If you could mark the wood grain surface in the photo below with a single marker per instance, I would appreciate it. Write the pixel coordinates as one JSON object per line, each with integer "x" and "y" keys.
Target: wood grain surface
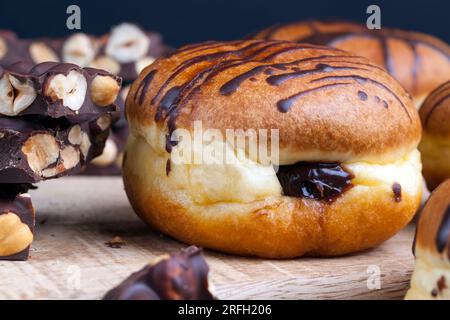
{"x": 77, "y": 215}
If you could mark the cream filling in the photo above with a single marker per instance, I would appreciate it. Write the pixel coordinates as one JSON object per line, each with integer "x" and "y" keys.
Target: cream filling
{"x": 242, "y": 180}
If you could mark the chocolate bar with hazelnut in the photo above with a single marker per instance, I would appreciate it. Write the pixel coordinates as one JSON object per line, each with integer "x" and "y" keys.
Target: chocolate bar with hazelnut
{"x": 57, "y": 90}
{"x": 33, "y": 51}
{"x": 109, "y": 163}
{"x": 125, "y": 51}
{"x": 34, "y": 149}
{"x": 180, "y": 276}
{"x": 17, "y": 220}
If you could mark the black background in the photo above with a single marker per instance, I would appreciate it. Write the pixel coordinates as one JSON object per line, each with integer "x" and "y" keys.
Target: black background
{"x": 191, "y": 21}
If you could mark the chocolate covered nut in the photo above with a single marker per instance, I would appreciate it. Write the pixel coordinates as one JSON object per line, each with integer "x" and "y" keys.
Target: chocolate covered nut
{"x": 39, "y": 150}
{"x": 104, "y": 90}
{"x": 180, "y": 276}
{"x": 125, "y": 51}
{"x": 127, "y": 43}
{"x": 106, "y": 63}
{"x": 109, "y": 163}
{"x": 40, "y": 52}
{"x": 79, "y": 49}
{"x": 15, "y": 95}
{"x": 16, "y": 226}
{"x": 132, "y": 49}
{"x": 57, "y": 90}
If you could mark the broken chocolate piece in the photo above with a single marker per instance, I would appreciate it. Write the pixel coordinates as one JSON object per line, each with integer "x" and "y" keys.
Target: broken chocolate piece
{"x": 125, "y": 51}
{"x": 57, "y": 90}
{"x": 109, "y": 163}
{"x": 17, "y": 221}
{"x": 47, "y": 148}
{"x": 180, "y": 276}
{"x": 314, "y": 180}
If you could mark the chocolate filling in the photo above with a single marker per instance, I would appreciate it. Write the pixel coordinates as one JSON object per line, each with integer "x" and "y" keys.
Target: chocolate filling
{"x": 314, "y": 180}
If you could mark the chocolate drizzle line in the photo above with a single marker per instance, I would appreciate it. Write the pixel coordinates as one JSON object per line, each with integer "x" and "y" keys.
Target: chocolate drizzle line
{"x": 445, "y": 89}
{"x": 383, "y": 37}
{"x": 363, "y": 80}
{"x": 174, "y": 99}
{"x": 314, "y": 180}
{"x": 144, "y": 85}
{"x": 443, "y": 232}
{"x": 170, "y": 99}
{"x": 286, "y": 104}
{"x": 397, "y": 190}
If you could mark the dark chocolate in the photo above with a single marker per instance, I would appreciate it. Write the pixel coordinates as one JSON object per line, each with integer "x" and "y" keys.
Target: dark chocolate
{"x": 18, "y": 50}
{"x": 181, "y": 276}
{"x": 314, "y": 180}
{"x": 118, "y": 135}
{"x": 20, "y": 144}
{"x": 39, "y": 77}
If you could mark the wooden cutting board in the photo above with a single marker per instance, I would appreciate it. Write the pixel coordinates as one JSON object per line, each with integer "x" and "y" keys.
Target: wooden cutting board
{"x": 77, "y": 215}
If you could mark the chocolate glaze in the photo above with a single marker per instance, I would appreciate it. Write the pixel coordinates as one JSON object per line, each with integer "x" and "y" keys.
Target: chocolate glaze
{"x": 383, "y": 37}
{"x": 442, "y": 93}
{"x": 443, "y": 232}
{"x": 314, "y": 180}
{"x": 168, "y": 167}
{"x": 397, "y": 190}
{"x": 362, "y": 80}
{"x": 172, "y": 96}
{"x": 181, "y": 276}
{"x": 285, "y": 105}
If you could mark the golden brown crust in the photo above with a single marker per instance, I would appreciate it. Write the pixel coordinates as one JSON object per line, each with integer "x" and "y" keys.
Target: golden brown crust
{"x": 433, "y": 230}
{"x": 435, "y": 145}
{"x": 273, "y": 227}
{"x": 319, "y": 95}
{"x": 435, "y": 112}
{"x": 420, "y": 62}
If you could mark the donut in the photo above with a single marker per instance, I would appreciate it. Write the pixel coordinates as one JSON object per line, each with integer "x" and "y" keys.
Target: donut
{"x": 435, "y": 144}
{"x": 345, "y": 174}
{"x": 420, "y": 62}
{"x": 431, "y": 277}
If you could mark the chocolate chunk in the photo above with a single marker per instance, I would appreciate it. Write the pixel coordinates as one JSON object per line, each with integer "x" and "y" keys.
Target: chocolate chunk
{"x": 48, "y": 148}
{"x": 109, "y": 163}
{"x": 180, "y": 276}
{"x": 314, "y": 180}
{"x": 57, "y": 90}
{"x": 17, "y": 221}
